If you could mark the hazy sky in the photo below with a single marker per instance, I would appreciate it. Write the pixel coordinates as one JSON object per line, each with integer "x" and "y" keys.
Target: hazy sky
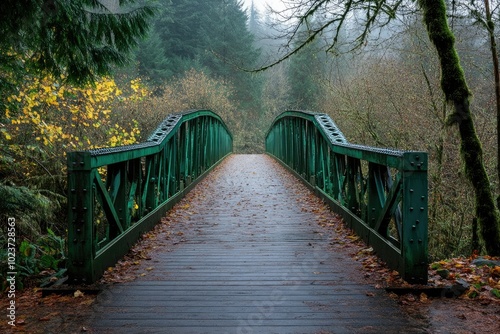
{"x": 261, "y": 4}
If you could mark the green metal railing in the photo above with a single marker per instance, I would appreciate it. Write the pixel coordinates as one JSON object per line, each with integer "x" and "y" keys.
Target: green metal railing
{"x": 380, "y": 193}
{"x": 117, "y": 194}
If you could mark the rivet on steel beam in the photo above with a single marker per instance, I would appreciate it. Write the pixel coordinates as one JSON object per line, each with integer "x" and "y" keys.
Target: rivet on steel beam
{"x": 414, "y": 226}
{"x": 417, "y": 157}
{"x": 84, "y": 190}
{"x": 411, "y": 240}
{"x": 411, "y": 208}
{"x": 412, "y": 163}
{"x": 411, "y": 190}
{"x": 422, "y": 208}
{"x": 419, "y": 241}
{"x": 73, "y": 208}
{"x": 423, "y": 197}
{"x": 82, "y": 163}
{"x": 418, "y": 221}
{"x": 78, "y": 230}
{"x": 84, "y": 208}
{"x": 74, "y": 163}
{"x": 73, "y": 190}
{"x": 75, "y": 241}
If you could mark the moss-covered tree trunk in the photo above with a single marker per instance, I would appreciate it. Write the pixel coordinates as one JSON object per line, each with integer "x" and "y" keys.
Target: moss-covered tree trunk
{"x": 457, "y": 92}
{"x": 490, "y": 26}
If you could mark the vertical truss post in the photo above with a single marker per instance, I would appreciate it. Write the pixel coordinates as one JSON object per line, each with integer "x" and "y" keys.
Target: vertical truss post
{"x": 134, "y": 201}
{"x": 351, "y": 185}
{"x": 415, "y": 217}
{"x": 151, "y": 183}
{"x": 80, "y": 216}
{"x": 375, "y": 192}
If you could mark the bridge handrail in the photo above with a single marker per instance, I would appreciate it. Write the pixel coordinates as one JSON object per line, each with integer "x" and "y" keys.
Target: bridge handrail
{"x": 381, "y": 193}
{"x": 116, "y": 194}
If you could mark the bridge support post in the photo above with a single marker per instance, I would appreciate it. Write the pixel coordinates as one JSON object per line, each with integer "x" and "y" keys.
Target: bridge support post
{"x": 80, "y": 213}
{"x": 415, "y": 216}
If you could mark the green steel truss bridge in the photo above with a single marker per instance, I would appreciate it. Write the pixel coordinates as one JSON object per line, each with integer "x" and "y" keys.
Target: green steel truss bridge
{"x": 117, "y": 194}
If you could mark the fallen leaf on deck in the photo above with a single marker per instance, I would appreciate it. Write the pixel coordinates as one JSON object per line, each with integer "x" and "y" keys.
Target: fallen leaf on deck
{"x": 78, "y": 294}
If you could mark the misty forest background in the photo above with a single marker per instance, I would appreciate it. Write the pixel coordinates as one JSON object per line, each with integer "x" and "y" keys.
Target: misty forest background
{"x": 199, "y": 54}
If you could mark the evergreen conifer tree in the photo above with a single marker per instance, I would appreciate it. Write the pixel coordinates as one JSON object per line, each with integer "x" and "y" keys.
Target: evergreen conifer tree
{"x": 79, "y": 39}
{"x": 212, "y": 36}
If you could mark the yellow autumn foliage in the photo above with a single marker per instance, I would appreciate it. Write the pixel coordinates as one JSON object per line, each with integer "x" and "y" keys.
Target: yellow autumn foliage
{"x": 67, "y": 118}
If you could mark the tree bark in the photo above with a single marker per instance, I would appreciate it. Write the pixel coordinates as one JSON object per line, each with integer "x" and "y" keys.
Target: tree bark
{"x": 494, "y": 57}
{"x": 456, "y": 91}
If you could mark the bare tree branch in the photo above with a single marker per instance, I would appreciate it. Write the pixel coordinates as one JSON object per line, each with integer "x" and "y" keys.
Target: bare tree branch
{"x": 316, "y": 17}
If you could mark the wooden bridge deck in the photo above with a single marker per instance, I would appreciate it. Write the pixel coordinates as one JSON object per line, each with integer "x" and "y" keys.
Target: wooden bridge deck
{"x": 256, "y": 262}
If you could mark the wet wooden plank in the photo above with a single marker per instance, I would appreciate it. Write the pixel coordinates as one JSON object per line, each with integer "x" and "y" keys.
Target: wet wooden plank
{"x": 255, "y": 263}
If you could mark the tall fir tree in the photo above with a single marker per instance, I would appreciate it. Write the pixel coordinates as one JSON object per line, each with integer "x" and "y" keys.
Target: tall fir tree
{"x": 231, "y": 46}
{"x": 210, "y": 35}
{"x": 304, "y": 73}
{"x": 80, "y": 39}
